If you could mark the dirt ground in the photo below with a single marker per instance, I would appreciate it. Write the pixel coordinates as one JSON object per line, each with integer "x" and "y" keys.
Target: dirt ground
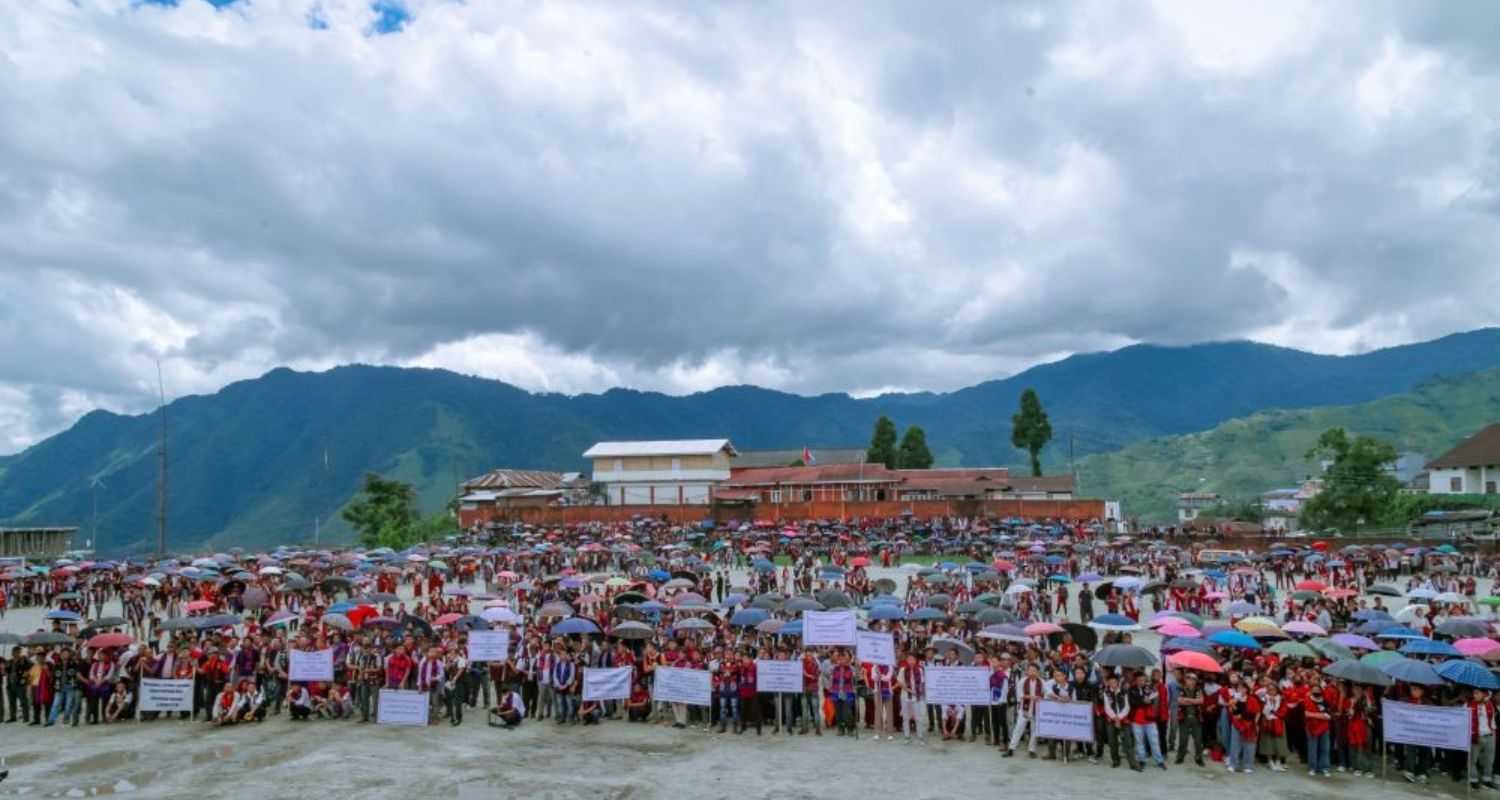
{"x": 280, "y": 759}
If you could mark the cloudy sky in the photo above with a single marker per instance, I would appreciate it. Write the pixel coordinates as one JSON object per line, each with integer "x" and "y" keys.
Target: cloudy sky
{"x": 812, "y": 196}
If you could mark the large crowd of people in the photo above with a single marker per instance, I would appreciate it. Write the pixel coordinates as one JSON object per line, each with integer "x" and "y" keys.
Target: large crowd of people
{"x": 1258, "y": 661}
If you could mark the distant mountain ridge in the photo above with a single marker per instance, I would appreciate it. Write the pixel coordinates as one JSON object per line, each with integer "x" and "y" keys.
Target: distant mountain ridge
{"x": 260, "y": 460}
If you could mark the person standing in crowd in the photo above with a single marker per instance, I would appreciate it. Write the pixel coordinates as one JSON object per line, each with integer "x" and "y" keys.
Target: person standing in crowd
{"x": 1143, "y": 703}
{"x": 1189, "y": 719}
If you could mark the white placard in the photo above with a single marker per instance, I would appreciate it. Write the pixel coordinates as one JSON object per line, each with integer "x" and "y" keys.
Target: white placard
{"x": 959, "y": 686}
{"x": 489, "y": 645}
{"x": 401, "y": 708}
{"x": 778, "y": 676}
{"x": 874, "y": 647}
{"x": 315, "y": 665}
{"x": 1056, "y": 719}
{"x": 166, "y": 695}
{"x": 606, "y": 684}
{"x": 821, "y": 628}
{"x": 676, "y": 685}
{"x": 1443, "y": 727}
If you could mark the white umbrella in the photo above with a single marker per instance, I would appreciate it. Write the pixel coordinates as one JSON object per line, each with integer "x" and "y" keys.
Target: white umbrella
{"x": 1411, "y": 612}
{"x": 503, "y": 615}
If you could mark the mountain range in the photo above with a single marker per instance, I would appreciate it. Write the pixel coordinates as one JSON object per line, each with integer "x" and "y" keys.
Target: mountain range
{"x": 274, "y": 458}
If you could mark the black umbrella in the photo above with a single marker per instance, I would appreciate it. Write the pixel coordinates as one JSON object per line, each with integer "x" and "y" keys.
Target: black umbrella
{"x": 633, "y": 630}
{"x": 1125, "y": 655}
{"x": 417, "y": 625}
{"x": 9, "y": 638}
{"x": 1085, "y": 637}
{"x": 995, "y": 616}
{"x": 46, "y": 639}
{"x": 1359, "y": 672}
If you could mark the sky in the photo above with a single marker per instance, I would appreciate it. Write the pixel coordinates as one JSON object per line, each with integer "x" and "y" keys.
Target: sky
{"x": 833, "y": 196}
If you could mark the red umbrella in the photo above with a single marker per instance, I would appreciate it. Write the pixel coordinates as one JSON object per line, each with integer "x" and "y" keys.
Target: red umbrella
{"x": 198, "y": 605}
{"x": 359, "y": 614}
{"x": 104, "y": 640}
{"x": 1311, "y": 586}
{"x": 1002, "y": 565}
{"x": 1320, "y": 545}
{"x": 448, "y": 619}
{"x": 1189, "y": 659}
{"x": 859, "y": 561}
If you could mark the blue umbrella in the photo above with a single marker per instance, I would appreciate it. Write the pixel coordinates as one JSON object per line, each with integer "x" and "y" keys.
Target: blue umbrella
{"x": 63, "y": 615}
{"x": 735, "y": 599}
{"x": 748, "y": 617}
{"x": 1428, "y": 647}
{"x": 1371, "y": 614}
{"x": 793, "y": 628}
{"x": 1376, "y": 626}
{"x": 1055, "y": 559}
{"x": 1115, "y": 620}
{"x": 883, "y": 600}
{"x": 1060, "y": 578}
{"x": 575, "y": 625}
{"x": 659, "y": 575}
{"x": 1176, "y": 643}
{"x": 889, "y": 611}
{"x": 1234, "y": 639}
{"x": 1398, "y": 632}
{"x": 1090, "y": 577}
{"x": 1240, "y": 608}
{"x": 926, "y": 613}
{"x": 947, "y": 565}
{"x": 1409, "y": 671}
{"x": 1467, "y": 673}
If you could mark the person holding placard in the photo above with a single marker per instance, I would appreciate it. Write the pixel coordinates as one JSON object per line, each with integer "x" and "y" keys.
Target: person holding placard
{"x": 1482, "y": 735}
{"x": 841, "y": 689}
{"x": 1028, "y": 693}
{"x": 882, "y": 681}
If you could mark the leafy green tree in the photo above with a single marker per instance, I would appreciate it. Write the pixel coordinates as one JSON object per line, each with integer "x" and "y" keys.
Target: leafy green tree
{"x": 1356, "y": 488}
{"x": 883, "y": 443}
{"x": 1030, "y": 429}
{"x": 384, "y": 511}
{"x": 913, "y": 452}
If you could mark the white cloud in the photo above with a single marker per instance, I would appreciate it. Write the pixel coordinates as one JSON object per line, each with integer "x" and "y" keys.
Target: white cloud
{"x": 571, "y": 196}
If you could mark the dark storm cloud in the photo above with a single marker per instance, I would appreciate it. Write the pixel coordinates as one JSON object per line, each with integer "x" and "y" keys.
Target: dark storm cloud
{"x": 822, "y": 197}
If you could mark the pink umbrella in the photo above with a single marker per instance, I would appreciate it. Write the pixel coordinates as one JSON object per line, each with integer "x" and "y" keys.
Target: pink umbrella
{"x": 1179, "y": 628}
{"x": 1304, "y": 627}
{"x": 1215, "y": 596}
{"x": 1476, "y": 647}
{"x": 1041, "y": 629}
{"x": 1189, "y": 659}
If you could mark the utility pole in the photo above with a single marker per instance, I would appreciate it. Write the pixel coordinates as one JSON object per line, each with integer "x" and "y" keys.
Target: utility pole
{"x": 94, "y": 486}
{"x": 161, "y": 478}
{"x": 1071, "y": 468}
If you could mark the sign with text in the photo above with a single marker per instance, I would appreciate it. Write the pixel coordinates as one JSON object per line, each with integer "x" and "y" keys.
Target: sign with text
{"x": 166, "y": 695}
{"x": 401, "y": 708}
{"x": 959, "y": 686}
{"x": 1443, "y": 727}
{"x": 310, "y": 665}
{"x": 874, "y": 647}
{"x": 489, "y": 645}
{"x": 676, "y": 685}
{"x": 778, "y": 676}
{"x": 1056, "y": 719}
{"x": 822, "y": 628}
{"x": 606, "y": 684}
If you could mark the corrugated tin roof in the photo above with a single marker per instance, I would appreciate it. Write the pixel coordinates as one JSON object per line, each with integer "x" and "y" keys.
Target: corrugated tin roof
{"x": 830, "y": 473}
{"x": 673, "y": 447}
{"x": 515, "y": 479}
{"x": 780, "y": 458}
{"x": 1481, "y": 449}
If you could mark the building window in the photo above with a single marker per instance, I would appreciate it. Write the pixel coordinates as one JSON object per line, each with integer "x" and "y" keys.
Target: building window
{"x": 619, "y": 464}
{"x": 676, "y": 465}
{"x": 880, "y": 495}
{"x": 1455, "y": 484}
{"x": 807, "y": 495}
{"x": 776, "y": 495}
{"x": 1489, "y": 487}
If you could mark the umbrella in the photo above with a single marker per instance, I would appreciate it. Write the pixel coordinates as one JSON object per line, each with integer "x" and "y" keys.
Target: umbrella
{"x": 1083, "y": 636}
{"x": 503, "y": 615}
{"x": 1399, "y": 632}
{"x": 1379, "y": 658}
{"x": 887, "y": 611}
{"x": 1354, "y": 640}
{"x": 954, "y": 649}
{"x": 46, "y": 639}
{"x": 574, "y": 625}
{"x": 633, "y": 630}
{"x": 1123, "y": 655}
{"x": 692, "y": 624}
{"x": 1114, "y": 622}
{"x": 177, "y": 624}
{"x": 1476, "y": 646}
{"x": 1384, "y": 589}
{"x": 471, "y": 623}
{"x": 339, "y": 621}
{"x": 1240, "y": 608}
{"x": 833, "y": 598}
{"x": 381, "y": 597}
{"x": 9, "y": 638}
{"x": 1005, "y": 633}
{"x": 1461, "y": 628}
{"x": 994, "y": 616}
{"x": 1191, "y": 659}
{"x": 1178, "y": 644}
{"x": 1304, "y": 627}
{"x": 63, "y": 615}
{"x": 1234, "y": 639}
{"x": 104, "y": 640}
{"x": 1428, "y": 647}
{"x": 1331, "y": 650}
{"x": 108, "y": 622}
{"x": 1358, "y": 672}
{"x": 556, "y": 608}
{"x": 1179, "y": 629}
{"x": 1042, "y": 629}
{"x": 797, "y": 605}
{"x": 1293, "y": 650}
{"x": 748, "y": 617}
{"x": 939, "y": 601}
{"x": 1467, "y": 673}
{"x": 769, "y": 602}
{"x": 926, "y": 613}
{"x": 1409, "y": 671}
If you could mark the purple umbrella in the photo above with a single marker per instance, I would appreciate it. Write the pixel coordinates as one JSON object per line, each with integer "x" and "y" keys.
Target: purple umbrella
{"x": 1355, "y": 640}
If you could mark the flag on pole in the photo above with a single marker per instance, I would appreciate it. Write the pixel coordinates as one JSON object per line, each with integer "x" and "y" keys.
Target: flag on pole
{"x": 807, "y": 457}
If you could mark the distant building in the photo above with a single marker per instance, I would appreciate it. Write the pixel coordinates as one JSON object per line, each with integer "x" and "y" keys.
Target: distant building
{"x": 1473, "y": 467}
{"x": 1192, "y": 504}
{"x": 35, "y": 542}
{"x": 680, "y": 472}
{"x": 863, "y": 483}
{"x": 509, "y": 489}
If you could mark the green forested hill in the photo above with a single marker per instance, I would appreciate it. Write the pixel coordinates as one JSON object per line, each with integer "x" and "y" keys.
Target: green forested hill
{"x": 1244, "y": 457}
{"x": 258, "y": 461}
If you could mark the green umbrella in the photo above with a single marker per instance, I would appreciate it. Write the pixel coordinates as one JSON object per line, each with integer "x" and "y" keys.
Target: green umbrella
{"x": 1492, "y": 600}
{"x": 1380, "y": 657}
{"x": 1293, "y": 650}
{"x": 1331, "y": 650}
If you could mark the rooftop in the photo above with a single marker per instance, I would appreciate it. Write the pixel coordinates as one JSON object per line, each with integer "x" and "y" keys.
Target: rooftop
{"x": 781, "y": 458}
{"x": 672, "y": 447}
{"x": 514, "y": 479}
{"x": 1481, "y": 449}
